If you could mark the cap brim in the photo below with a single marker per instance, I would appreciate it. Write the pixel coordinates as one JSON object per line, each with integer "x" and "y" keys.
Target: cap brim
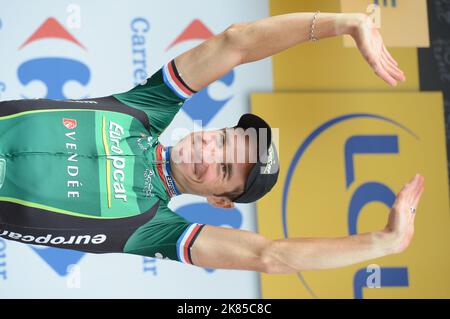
{"x": 250, "y": 120}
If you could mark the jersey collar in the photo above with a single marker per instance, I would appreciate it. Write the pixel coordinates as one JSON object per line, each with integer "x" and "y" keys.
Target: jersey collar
{"x": 164, "y": 170}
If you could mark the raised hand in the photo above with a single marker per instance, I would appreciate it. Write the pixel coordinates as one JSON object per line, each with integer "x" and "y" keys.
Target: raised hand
{"x": 401, "y": 217}
{"x": 370, "y": 43}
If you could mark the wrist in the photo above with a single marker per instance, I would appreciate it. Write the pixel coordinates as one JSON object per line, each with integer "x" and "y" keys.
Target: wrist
{"x": 385, "y": 241}
{"x": 348, "y": 23}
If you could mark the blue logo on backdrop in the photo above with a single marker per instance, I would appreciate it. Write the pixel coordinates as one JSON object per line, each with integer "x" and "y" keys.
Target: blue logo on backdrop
{"x": 204, "y": 213}
{"x": 68, "y": 70}
{"x": 62, "y": 70}
{"x": 202, "y": 106}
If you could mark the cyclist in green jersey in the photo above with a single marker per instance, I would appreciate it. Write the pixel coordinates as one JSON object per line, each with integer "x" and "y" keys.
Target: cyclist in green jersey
{"x": 91, "y": 174}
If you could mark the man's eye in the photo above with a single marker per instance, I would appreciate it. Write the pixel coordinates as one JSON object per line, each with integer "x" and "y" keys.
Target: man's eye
{"x": 224, "y": 169}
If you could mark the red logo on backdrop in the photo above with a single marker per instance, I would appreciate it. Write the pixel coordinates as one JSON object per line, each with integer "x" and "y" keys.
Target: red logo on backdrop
{"x": 195, "y": 30}
{"x": 69, "y": 123}
{"x": 51, "y": 28}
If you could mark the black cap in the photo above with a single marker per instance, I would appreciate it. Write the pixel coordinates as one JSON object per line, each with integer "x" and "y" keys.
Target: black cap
{"x": 264, "y": 173}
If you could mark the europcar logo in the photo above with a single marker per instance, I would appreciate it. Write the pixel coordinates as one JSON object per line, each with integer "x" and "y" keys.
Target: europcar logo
{"x": 370, "y": 145}
{"x": 202, "y": 106}
{"x": 54, "y": 73}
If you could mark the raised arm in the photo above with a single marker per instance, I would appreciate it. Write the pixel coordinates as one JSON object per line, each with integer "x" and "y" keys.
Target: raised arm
{"x": 218, "y": 247}
{"x": 247, "y": 42}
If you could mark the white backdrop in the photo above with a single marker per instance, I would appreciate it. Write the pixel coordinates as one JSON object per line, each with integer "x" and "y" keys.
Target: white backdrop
{"x": 63, "y": 49}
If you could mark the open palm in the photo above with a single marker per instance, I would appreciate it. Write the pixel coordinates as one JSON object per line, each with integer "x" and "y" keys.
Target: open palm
{"x": 401, "y": 218}
{"x": 369, "y": 41}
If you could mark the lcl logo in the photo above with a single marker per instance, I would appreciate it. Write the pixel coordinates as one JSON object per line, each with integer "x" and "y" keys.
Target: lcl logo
{"x": 367, "y": 192}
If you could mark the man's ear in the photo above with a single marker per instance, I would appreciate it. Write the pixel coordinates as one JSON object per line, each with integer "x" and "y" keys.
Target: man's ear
{"x": 220, "y": 202}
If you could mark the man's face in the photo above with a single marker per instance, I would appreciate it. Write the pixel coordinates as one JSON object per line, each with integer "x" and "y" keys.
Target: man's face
{"x": 211, "y": 163}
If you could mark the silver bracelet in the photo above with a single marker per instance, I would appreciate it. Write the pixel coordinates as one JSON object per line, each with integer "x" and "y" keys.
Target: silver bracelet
{"x": 312, "y": 37}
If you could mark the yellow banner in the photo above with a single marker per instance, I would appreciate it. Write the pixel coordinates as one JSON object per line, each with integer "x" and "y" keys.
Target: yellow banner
{"x": 403, "y": 23}
{"x": 327, "y": 64}
{"x": 344, "y": 157}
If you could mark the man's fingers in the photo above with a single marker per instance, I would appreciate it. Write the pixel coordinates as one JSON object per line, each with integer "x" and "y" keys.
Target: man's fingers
{"x": 415, "y": 204}
{"x": 389, "y": 55}
{"x": 410, "y": 190}
{"x": 417, "y": 199}
{"x": 408, "y": 184}
{"x": 411, "y": 194}
{"x": 389, "y": 63}
{"x": 417, "y": 184}
{"x": 396, "y": 74}
{"x": 389, "y": 59}
{"x": 420, "y": 185}
{"x": 406, "y": 193}
{"x": 382, "y": 73}
{"x": 403, "y": 192}
{"x": 418, "y": 192}
{"x": 414, "y": 188}
{"x": 400, "y": 76}
{"x": 393, "y": 70}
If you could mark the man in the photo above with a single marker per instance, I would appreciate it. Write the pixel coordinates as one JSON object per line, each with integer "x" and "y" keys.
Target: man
{"x": 91, "y": 174}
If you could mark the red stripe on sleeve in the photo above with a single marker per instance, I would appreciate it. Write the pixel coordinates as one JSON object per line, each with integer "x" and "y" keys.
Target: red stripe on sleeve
{"x": 188, "y": 242}
{"x": 175, "y": 79}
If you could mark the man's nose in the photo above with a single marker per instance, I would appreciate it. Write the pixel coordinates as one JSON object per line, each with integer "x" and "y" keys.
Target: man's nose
{"x": 211, "y": 146}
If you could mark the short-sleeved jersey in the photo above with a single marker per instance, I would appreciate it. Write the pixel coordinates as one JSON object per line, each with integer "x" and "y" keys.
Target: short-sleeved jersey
{"x": 91, "y": 175}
